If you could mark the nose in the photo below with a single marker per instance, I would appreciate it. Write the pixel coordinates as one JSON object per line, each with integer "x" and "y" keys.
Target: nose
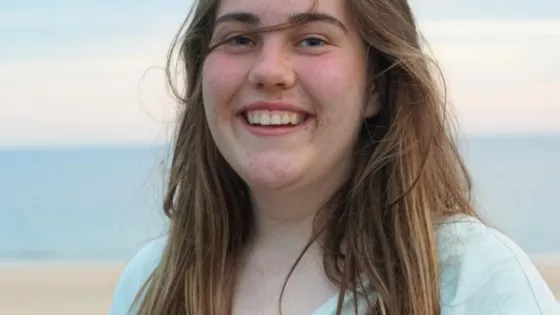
{"x": 272, "y": 68}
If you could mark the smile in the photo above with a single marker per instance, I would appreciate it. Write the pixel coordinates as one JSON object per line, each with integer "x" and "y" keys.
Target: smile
{"x": 274, "y": 118}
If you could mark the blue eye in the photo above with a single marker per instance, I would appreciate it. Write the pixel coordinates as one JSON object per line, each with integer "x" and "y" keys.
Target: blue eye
{"x": 240, "y": 41}
{"x": 312, "y": 42}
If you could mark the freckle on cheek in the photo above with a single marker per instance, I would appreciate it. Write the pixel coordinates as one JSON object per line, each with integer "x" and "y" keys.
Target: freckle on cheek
{"x": 323, "y": 125}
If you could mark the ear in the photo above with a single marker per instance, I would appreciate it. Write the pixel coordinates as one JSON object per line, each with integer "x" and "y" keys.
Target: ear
{"x": 372, "y": 107}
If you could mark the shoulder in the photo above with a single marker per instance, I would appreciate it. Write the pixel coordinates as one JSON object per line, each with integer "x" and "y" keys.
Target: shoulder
{"x": 484, "y": 272}
{"x": 135, "y": 274}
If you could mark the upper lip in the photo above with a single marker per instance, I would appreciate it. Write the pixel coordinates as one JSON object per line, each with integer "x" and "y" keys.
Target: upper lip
{"x": 272, "y": 106}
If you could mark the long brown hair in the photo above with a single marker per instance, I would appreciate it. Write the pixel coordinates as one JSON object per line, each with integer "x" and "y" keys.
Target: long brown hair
{"x": 407, "y": 175}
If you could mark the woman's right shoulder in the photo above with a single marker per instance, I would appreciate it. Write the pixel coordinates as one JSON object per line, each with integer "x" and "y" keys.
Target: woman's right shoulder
{"x": 135, "y": 274}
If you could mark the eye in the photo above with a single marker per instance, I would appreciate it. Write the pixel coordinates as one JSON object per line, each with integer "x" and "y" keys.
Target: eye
{"x": 239, "y": 40}
{"x": 312, "y": 42}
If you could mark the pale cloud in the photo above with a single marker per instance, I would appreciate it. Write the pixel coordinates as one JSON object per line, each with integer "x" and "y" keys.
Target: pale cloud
{"x": 503, "y": 78}
{"x": 103, "y": 23}
{"x": 117, "y": 97}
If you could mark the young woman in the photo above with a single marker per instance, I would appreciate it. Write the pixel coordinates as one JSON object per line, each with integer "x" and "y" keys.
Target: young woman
{"x": 314, "y": 172}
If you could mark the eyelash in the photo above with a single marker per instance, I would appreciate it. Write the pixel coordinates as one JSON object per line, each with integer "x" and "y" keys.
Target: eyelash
{"x": 232, "y": 40}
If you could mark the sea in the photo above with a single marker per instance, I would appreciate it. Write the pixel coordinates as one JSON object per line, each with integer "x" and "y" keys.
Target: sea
{"x": 101, "y": 204}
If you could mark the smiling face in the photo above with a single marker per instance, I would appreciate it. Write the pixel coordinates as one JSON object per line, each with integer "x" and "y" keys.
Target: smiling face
{"x": 284, "y": 107}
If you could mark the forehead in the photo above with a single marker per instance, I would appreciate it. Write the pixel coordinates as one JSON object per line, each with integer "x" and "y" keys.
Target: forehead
{"x": 272, "y": 12}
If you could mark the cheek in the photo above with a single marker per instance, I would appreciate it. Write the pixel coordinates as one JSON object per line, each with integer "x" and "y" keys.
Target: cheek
{"x": 337, "y": 86}
{"x": 221, "y": 80}
{"x": 334, "y": 81}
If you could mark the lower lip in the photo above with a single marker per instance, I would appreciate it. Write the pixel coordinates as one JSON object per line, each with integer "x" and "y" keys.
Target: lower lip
{"x": 273, "y": 130}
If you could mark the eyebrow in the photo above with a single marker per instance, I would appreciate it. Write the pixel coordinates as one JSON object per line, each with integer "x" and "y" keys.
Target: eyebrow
{"x": 297, "y": 18}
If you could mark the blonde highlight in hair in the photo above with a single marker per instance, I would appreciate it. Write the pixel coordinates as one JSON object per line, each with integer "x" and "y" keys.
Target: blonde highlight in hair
{"x": 379, "y": 227}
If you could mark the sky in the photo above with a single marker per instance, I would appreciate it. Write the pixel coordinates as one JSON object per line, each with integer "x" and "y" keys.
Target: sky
{"x": 90, "y": 72}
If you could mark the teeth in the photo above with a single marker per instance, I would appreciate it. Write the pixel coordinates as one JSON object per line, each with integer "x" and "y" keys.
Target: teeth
{"x": 295, "y": 119}
{"x": 265, "y": 119}
{"x": 254, "y": 118}
{"x": 275, "y": 118}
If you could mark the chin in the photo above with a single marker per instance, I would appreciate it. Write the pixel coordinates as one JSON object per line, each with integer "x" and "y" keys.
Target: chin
{"x": 269, "y": 181}
{"x": 271, "y": 173}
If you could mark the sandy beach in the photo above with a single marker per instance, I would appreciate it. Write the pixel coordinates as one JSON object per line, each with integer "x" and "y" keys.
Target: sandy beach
{"x": 57, "y": 289}
{"x": 87, "y": 289}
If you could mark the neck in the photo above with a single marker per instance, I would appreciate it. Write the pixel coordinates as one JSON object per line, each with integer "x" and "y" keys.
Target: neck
{"x": 285, "y": 218}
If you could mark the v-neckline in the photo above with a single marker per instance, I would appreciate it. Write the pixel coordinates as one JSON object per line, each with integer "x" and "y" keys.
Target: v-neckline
{"x": 327, "y": 306}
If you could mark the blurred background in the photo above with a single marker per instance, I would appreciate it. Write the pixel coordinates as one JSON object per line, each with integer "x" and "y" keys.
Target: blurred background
{"x": 85, "y": 124}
